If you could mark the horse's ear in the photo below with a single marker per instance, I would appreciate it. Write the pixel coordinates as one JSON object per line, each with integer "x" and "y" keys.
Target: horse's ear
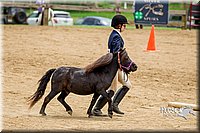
{"x": 122, "y": 50}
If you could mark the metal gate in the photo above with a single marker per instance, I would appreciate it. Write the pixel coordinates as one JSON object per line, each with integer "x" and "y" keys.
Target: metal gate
{"x": 194, "y": 14}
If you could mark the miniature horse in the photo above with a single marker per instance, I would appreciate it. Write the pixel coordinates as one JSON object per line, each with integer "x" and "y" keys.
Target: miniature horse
{"x": 95, "y": 78}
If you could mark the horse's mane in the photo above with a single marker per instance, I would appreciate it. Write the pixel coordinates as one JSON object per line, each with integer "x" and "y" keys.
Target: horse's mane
{"x": 102, "y": 61}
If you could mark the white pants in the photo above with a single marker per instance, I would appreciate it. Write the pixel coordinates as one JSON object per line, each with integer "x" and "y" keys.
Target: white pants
{"x": 122, "y": 78}
{"x": 52, "y": 22}
{"x": 39, "y": 21}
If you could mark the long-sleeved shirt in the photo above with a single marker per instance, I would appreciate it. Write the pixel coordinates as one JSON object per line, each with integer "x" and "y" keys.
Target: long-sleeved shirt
{"x": 115, "y": 42}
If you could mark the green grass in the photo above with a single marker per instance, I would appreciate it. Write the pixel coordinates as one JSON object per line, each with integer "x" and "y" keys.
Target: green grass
{"x": 105, "y": 5}
{"x": 80, "y": 14}
{"x": 178, "y": 6}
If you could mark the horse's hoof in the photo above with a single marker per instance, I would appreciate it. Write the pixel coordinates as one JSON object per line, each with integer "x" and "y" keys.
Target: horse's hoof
{"x": 43, "y": 114}
{"x": 69, "y": 112}
{"x": 110, "y": 115}
{"x": 90, "y": 115}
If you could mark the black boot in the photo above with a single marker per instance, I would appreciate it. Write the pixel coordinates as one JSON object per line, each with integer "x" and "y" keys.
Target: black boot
{"x": 137, "y": 26}
{"x": 101, "y": 103}
{"x": 118, "y": 97}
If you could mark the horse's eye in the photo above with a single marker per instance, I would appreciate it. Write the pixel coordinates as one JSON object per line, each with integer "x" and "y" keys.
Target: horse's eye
{"x": 126, "y": 58}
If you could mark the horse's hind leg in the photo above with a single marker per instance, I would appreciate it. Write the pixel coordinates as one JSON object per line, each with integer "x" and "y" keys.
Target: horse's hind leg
{"x": 61, "y": 99}
{"x": 47, "y": 99}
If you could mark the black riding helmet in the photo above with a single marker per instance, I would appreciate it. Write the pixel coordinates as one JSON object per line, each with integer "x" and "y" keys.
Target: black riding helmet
{"x": 118, "y": 19}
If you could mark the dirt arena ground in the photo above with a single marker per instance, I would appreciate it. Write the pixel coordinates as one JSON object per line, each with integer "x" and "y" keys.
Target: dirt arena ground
{"x": 165, "y": 75}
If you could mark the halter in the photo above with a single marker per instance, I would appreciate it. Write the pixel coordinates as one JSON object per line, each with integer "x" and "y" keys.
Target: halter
{"x": 121, "y": 66}
{"x": 124, "y": 67}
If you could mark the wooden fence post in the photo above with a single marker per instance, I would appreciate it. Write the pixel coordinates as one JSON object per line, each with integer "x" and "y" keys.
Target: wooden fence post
{"x": 45, "y": 18}
{"x": 184, "y": 17}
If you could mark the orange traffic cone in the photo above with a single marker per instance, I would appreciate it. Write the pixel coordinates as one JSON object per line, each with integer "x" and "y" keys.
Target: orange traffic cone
{"x": 151, "y": 43}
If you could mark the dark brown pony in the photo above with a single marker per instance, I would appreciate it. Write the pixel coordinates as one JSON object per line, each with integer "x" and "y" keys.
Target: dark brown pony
{"x": 94, "y": 78}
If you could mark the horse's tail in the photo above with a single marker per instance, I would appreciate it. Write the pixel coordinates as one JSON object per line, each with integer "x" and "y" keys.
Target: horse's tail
{"x": 41, "y": 88}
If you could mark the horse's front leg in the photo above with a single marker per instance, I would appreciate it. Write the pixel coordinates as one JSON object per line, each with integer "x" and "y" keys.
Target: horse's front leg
{"x": 109, "y": 98}
{"x": 94, "y": 99}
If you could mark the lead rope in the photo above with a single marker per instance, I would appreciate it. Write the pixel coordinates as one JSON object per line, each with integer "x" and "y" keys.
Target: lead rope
{"x": 120, "y": 67}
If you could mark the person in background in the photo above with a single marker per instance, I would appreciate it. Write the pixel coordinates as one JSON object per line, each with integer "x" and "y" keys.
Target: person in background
{"x": 115, "y": 43}
{"x": 51, "y": 15}
{"x": 40, "y": 15}
{"x": 117, "y": 9}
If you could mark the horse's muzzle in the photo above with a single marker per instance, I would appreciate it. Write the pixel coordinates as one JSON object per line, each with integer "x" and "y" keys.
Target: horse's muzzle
{"x": 134, "y": 67}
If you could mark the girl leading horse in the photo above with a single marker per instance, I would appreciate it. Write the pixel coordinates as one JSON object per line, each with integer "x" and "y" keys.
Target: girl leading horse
{"x": 95, "y": 79}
